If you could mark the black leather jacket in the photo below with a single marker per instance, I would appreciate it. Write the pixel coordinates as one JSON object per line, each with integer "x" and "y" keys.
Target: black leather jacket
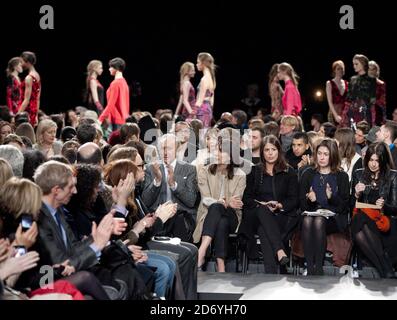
{"x": 388, "y": 191}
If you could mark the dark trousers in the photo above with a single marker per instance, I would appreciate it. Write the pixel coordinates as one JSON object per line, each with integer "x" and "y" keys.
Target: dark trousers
{"x": 218, "y": 223}
{"x": 187, "y": 263}
{"x": 180, "y": 226}
{"x": 273, "y": 231}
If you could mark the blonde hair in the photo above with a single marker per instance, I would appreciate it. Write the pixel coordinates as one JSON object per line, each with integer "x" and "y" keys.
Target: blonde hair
{"x": 5, "y": 171}
{"x": 289, "y": 70}
{"x": 208, "y": 61}
{"x": 18, "y": 196}
{"x": 335, "y": 64}
{"x": 52, "y": 174}
{"x": 290, "y": 121}
{"x": 92, "y": 66}
{"x": 12, "y": 64}
{"x": 185, "y": 69}
{"x": 372, "y": 63}
{"x": 43, "y": 126}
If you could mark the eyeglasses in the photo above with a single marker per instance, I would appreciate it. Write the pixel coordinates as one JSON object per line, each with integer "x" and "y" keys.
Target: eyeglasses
{"x": 140, "y": 166}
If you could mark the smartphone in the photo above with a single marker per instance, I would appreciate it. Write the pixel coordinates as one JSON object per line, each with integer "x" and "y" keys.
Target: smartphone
{"x": 19, "y": 251}
{"x": 26, "y": 221}
{"x": 158, "y": 238}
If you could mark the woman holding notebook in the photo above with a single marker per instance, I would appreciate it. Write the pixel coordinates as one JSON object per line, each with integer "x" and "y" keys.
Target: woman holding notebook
{"x": 374, "y": 198}
{"x": 324, "y": 186}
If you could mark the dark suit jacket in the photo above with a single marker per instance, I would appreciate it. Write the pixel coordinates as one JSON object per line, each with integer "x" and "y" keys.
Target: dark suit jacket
{"x": 52, "y": 248}
{"x": 185, "y": 194}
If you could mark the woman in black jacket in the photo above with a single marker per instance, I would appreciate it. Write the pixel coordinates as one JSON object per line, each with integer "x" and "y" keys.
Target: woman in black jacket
{"x": 270, "y": 202}
{"x": 375, "y": 231}
{"x": 324, "y": 186}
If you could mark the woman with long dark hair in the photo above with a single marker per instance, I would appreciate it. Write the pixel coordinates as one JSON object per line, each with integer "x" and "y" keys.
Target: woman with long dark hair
{"x": 270, "y": 204}
{"x": 372, "y": 229}
{"x": 221, "y": 185}
{"x": 31, "y": 88}
{"x": 324, "y": 186}
{"x": 350, "y": 159}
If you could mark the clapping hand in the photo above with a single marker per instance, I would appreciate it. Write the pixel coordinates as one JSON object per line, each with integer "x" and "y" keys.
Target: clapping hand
{"x": 166, "y": 211}
{"x": 101, "y": 233}
{"x": 17, "y": 265}
{"x": 157, "y": 171}
{"x": 311, "y": 195}
{"x": 328, "y": 191}
{"x": 304, "y": 162}
{"x": 123, "y": 190}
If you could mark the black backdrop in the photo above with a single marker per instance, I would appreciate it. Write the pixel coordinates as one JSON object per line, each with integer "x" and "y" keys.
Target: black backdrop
{"x": 155, "y": 38}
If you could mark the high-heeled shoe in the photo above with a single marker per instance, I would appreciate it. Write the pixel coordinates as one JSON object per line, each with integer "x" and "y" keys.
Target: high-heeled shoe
{"x": 203, "y": 266}
{"x": 284, "y": 261}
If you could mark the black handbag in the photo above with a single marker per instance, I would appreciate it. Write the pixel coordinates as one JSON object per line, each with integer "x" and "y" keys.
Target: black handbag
{"x": 115, "y": 255}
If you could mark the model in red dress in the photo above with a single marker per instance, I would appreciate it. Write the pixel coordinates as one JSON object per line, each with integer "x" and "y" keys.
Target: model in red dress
{"x": 31, "y": 88}
{"x": 14, "y": 85}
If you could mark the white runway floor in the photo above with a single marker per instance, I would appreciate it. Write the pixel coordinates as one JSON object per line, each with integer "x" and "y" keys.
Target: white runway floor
{"x": 288, "y": 287}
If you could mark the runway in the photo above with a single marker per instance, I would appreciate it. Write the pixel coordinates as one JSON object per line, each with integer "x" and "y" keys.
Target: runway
{"x": 236, "y": 286}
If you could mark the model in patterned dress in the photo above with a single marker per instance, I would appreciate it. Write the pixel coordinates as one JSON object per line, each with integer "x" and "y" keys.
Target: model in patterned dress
{"x": 31, "y": 88}
{"x": 361, "y": 95}
{"x": 14, "y": 85}
{"x": 187, "y": 99}
{"x": 206, "y": 90}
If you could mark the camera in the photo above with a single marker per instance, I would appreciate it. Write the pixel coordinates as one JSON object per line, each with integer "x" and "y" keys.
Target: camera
{"x": 26, "y": 221}
{"x": 19, "y": 251}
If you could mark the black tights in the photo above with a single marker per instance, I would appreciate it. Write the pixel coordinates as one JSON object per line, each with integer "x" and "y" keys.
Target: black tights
{"x": 371, "y": 245}
{"x": 314, "y": 237}
{"x": 88, "y": 284}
